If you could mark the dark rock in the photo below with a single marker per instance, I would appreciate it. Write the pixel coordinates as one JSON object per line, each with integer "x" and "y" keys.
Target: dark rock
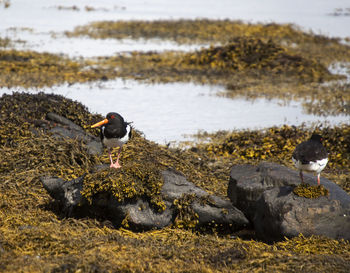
{"x": 223, "y": 216}
{"x": 280, "y": 213}
{"x": 137, "y": 213}
{"x": 248, "y": 182}
{"x": 68, "y": 193}
{"x": 54, "y": 186}
{"x": 217, "y": 211}
{"x": 265, "y": 194}
{"x": 63, "y": 121}
{"x": 63, "y": 127}
{"x": 94, "y": 147}
{"x": 175, "y": 185}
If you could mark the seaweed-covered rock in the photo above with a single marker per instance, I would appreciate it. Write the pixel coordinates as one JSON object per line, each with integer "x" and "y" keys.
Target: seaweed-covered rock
{"x": 265, "y": 194}
{"x": 63, "y": 127}
{"x": 210, "y": 209}
{"x": 139, "y": 214}
{"x": 135, "y": 213}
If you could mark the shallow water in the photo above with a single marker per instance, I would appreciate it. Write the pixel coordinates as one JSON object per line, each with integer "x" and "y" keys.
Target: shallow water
{"x": 165, "y": 112}
{"x": 43, "y": 15}
{"x": 43, "y": 18}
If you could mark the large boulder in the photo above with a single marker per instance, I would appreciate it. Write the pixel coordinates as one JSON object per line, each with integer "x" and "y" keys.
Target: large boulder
{"x": 265, "y": 194}
{"x": 280, "y": 213}
{"x": 135, "y": 213}
{"x": 248, "y": 182}
{"x": 138, "y": 213}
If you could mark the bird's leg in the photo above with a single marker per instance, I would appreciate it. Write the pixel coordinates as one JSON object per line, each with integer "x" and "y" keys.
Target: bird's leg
{"x": 116, "y": 164}
{"x": 318, "y": 178}
{"x": 110, "y": 158}
{"x": 301, "y": 176}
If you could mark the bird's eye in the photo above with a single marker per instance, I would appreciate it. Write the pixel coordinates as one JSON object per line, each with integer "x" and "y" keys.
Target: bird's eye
{"x": 112, "y": 116}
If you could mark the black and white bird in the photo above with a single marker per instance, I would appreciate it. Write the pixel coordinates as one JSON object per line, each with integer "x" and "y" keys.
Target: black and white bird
{"x": 115, "y": 132}
{"x": 310, "y": 156}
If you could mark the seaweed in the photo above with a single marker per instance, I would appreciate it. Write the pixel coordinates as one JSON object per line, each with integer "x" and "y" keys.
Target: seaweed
{"x": 244, "y": 53}
{"x": 32, "y": 69}
{"x": 277, "y": 144}
{"x": 33, "y": 238}
{"x": 309, "y": 191}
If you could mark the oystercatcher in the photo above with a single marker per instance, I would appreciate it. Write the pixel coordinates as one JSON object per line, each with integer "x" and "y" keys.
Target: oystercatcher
{"x": 115, "y": 132}
{"x": 310, "y": 156}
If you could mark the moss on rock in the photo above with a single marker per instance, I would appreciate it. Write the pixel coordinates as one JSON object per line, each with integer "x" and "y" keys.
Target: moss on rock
{"x": 309, "y": 191}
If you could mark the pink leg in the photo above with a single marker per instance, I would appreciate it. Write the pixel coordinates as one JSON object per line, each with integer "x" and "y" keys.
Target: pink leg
{"x": 110, "y": 158}
{"x": 318, "y": 179}
{"x": 116, "y": 164}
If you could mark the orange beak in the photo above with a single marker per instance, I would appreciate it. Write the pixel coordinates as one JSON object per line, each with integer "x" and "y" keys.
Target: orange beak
{"x": 100, "y": 123}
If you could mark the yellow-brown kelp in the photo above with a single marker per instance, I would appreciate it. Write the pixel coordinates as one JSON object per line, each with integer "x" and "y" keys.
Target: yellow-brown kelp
{"x": 277, "y": 144}
{"x": 32, "y": 69}
{"x": 310, "y": 191}
{"x": 33, "y": 238}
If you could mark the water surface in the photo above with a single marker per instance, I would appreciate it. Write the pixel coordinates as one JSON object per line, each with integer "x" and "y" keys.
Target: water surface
{"x": 166, "y": 112}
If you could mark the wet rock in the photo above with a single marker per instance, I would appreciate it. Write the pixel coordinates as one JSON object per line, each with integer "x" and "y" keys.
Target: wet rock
{"x": 68, "y": 193}
{"x": 280, "y": 213}
{"x": 265, "y": 194}
{"x": 63, "y": 121}
{"x": 138, "y": 213}
{"x": 248, "y": 182}
{"x": 63, "y": 127}
{"x": 217, "y": 210}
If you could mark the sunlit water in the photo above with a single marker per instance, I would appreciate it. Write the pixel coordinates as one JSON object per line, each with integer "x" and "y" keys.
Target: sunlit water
{"x": 166, "y": 112}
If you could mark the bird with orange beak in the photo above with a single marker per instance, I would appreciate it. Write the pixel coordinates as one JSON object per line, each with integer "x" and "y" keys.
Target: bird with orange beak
{"x": 115, "y": 132}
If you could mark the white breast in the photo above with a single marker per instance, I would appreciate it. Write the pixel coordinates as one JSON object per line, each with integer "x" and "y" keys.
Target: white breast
{"x": 314, "y": 166}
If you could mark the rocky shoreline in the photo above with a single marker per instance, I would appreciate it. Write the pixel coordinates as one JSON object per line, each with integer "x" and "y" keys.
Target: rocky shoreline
{"x": 55, "y": 179}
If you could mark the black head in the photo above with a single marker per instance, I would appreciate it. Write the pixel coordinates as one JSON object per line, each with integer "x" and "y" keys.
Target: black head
{"x": 114, "y": 117}
{"x": 316, "y": 137}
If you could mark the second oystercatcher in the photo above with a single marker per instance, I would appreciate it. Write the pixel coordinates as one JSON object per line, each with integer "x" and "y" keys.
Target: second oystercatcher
{"x": 115, "y": 132}
{"x": 310, "y": 156}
